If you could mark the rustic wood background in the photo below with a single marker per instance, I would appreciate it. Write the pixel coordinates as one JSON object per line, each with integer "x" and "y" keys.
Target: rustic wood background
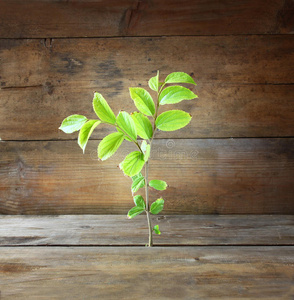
{"x": 237, "y": 154}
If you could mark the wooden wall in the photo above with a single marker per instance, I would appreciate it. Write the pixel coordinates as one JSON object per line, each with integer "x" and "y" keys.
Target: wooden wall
{"x": 236, "y": 156}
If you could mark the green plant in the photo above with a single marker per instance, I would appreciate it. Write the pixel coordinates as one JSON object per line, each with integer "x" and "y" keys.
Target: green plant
{"x": 143, "y": 124}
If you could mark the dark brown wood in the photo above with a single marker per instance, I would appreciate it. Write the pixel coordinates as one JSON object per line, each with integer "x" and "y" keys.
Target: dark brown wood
{"x": 223, "y": 176}
{"x": 23, "y": 19}
{"x": 240, "y": 93}
{"x": 144, "y": 273}
{"x": 220, "y": 111}
{"x": 106, "y": 230}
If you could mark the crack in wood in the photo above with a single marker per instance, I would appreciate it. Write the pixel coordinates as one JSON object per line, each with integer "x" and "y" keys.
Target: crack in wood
{"x": 132, "y": 17}
{"x": 48, "y": 42}
{"x": 21, "y": 87}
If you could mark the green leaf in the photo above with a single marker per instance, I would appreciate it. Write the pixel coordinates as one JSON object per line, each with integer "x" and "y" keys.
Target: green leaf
{"x": 126, "y": 138}
{"x": 172, "y": 120}
{"x": 73, "y": 123}
{"x": 133, "y": 212}
{"x": 157, "y": 206}
{"x": 143, "y": 125}
{"x": 143, "y": 101}
{"x": 139, "y": 201}
{"x": 108, "y": 146}
{"x": 86, "y": 132}
{"x": 156, "y": 229}
{"x": 102, "y": 109}
{"x": 146, "y": 150}
{"x": 144, "y": 146}
{"x": 138, "y": 182}
{"x": 175, "y": 94}
{"x": 127, "y": 125}
{"x": 179, "y": 77}
{"x": 133, "y": 163}
{"x": 159, "y": 185}
{"x": 147, "y": 153}
{"x": 153, "y": 82}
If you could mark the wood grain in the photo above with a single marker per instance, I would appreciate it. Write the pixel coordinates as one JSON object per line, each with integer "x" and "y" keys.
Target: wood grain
{"x": 222, "y": 176}
{"x": 23, "y": 19}
{"x": 144, "y": 273}
{"x": 240, "y": 93}
{"x": 107, "y": 230}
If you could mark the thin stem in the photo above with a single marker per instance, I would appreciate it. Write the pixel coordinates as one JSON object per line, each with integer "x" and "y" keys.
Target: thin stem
{"x": 156, "y": 110}
{"x": 147, "y": 206}
{"x": 146, "y": 173}
{"x": 134, "y": 141}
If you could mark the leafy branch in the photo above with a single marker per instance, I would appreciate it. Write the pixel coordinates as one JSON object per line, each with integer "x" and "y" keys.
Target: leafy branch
{"x": 138, "y": 124}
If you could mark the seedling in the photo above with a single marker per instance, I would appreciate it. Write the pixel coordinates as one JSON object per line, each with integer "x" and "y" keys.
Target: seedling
{"x": 129, "y": 127}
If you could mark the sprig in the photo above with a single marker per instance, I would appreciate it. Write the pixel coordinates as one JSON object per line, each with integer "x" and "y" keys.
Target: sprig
{"x": 130, "y": 126}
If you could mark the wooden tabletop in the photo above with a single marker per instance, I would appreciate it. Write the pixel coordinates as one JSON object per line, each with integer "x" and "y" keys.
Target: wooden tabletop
{"x": 104, "y": 257}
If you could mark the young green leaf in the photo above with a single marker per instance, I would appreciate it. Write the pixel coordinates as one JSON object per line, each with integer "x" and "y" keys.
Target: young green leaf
{"x": 144, "y": 146}
{"x": 172, "y": 120}
{"x": 157, "y": 206}
{"x": 143, "y": 125}
{"x": 146, "y": 150}
{"x": 133, "y": 163}
{"x": 127, "y": 125}
{"x": 136, "y": 210}
{"x": 143, "y": 101}
{"x": 175, "y": 94}
{"x": 153, "y": 82}
{"x": 156, "y": 229}
{"x": 139, "y": 201}
{"x": 147, "y": 153}
{"x": 102, "y": 109}
{"x": 86, "y": 132}
{"x": 126, "y": 138}
{"x": 138, "y": 182}
{"x": 179, "y": 77}
{"x": 108, "y": 146}
{"x": 159, "y": 185}
{"x": 73, "y": 123}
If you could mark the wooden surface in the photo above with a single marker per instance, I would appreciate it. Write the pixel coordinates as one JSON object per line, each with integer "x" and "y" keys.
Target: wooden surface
{"x": 54, "y": 54}
{"x": 32, "y": 18}
{"x": 204, "y": 176}
{"x": 143, "y": 273}
{"x": 240, "y": 93}
{"x": 117, "y": 230}
{"x": 247, "y": 258}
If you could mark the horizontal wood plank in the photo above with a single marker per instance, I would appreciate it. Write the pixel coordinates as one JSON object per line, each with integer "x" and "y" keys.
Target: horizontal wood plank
{"x": 220, "y": 111}
{"x": 90, "y": 230}
{"x": 222, "y": 176}
{"x": 240, "y": 93}
{"x": 23, "y": 19}
{"x": 144, "y": 273}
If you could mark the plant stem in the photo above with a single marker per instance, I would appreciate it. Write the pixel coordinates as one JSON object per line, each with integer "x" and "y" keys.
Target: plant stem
{"x": 146, "y": 173}
{"x": 150, "y": 244}
{"x": 134, "y": 141}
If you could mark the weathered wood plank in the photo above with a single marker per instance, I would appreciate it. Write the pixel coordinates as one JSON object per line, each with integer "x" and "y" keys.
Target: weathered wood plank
{"x": 144, "y": 273}
{"x": 240, "y": 93}
{"x": 220, "y": 111}
{"x": 176, "y": 230}
{"x": 22, "y": 19}
{"x": 224, "y": 176}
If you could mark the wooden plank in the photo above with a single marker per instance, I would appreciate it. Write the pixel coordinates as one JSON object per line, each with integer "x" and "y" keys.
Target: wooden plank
{"x": 221, "y": 111}
{"x": 240, "y": 93}
{"x": 102, "y": 230}
{"x": 222, "y": 176}
{"x": 144, "y": 273}
{"x": 22, "y": 19}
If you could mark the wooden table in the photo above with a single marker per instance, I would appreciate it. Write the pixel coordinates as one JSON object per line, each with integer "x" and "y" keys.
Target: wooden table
{"x": 103, "y": 257}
